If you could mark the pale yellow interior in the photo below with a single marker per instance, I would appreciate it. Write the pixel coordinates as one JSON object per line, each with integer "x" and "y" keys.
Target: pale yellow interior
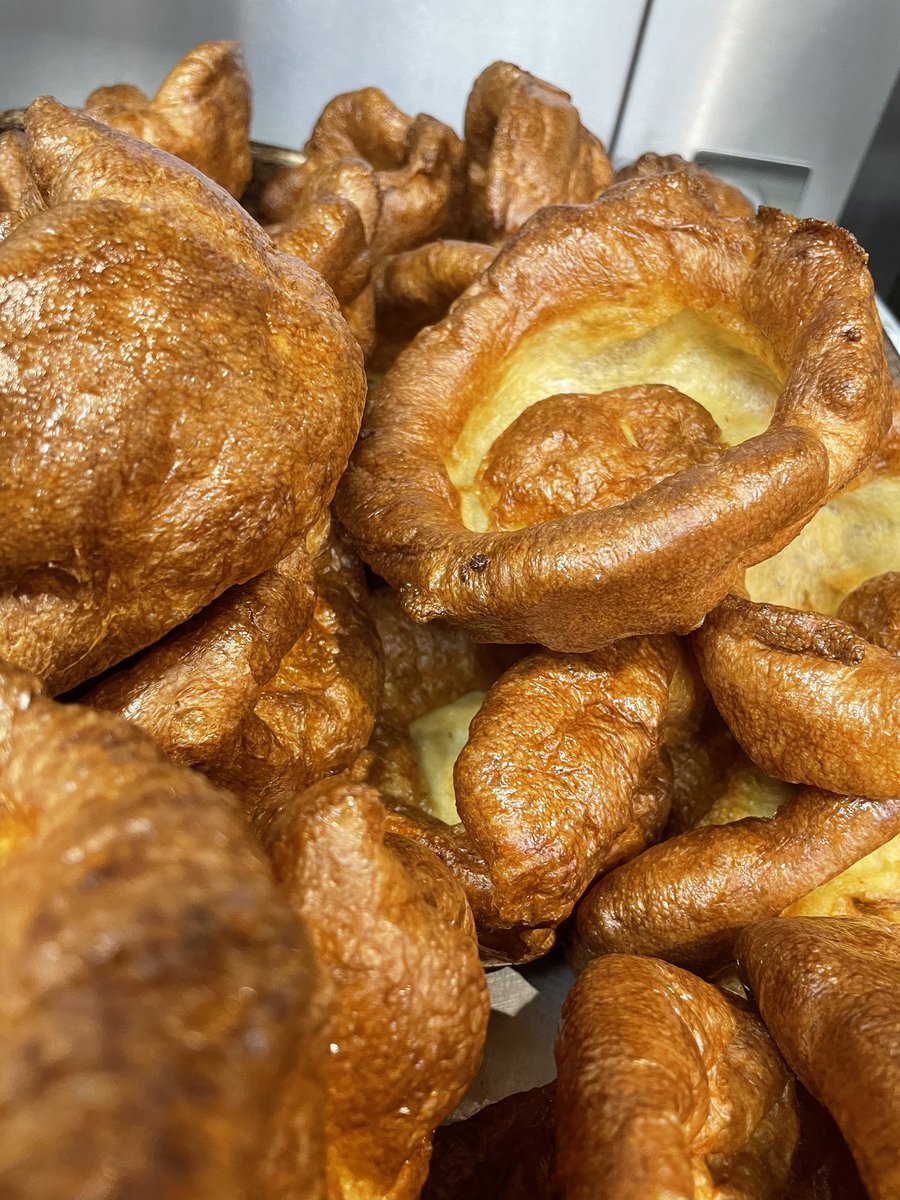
{"x": 855, "y": 536}
{"x": 601, "y": 349}
{"x": 437, "y": 738}
{"x": 748, "y": 793}
{"x": 875, "y": 880}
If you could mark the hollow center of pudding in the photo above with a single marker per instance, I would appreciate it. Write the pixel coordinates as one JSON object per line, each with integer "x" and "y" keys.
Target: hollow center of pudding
{"x": 599, "y": 350}
{"x": 748, "y": 792}
{"x": 569, "y": 454}
{"x": 868, "y": 888}
{"x": 438, "y": 737}
{"x": 855, "y": 536}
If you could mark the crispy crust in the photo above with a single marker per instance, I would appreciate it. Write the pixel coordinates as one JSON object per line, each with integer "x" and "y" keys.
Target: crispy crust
{"x": 417, "y": 287}
{"x": 873, "y": 610}
{"x": 724, "y": 198}
{"x": 201, "y": 113}
{"x": 100, "y": 560}
{"x": 687, "y": 899}
{"x": 192, "y": 691}
{"x": 270, "y": 689}
{"x": 392, "y": 936}
{"x": 552, "y": 800}
{"x": 581, "y": 453}
{"x": 330, "y": 229}
{"x": 828, "y": 991}
{"x": 666, "y": 1087}
{"x": 548, "y": 800}
{"x": 661, "y": 561}
{"x": 809, "y": 699}
{"x": 527, "y": 148}
{"x": 418, "y": 165}
{"x": 157, "y": 990}
{"x": 14, "y": 174}
{"x": 427, "y": 666}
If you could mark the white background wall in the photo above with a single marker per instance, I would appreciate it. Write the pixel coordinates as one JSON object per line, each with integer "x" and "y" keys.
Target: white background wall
{"x": 794, "y": 82}
{"x": 423, "y": 53}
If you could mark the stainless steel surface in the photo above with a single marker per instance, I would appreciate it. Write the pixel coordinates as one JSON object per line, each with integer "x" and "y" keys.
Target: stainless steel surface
{"x": 872, "y": 211}
{"x": 789, "y": 83}
{"x": 518, "y": 1054}
{"x": 424, "y": 53}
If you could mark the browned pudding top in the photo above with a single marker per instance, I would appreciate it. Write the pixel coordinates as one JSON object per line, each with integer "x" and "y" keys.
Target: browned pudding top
{"x": 527, "y": 148}
{"x": 201, "y": 113}
{"x": 570, "y": 454}
{"x": 180, "y": 398}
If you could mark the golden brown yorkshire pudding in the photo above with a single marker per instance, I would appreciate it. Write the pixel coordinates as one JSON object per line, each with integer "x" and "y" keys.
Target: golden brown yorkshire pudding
{"x": 828, "y": 992}
{"x": 667, "y": 1088}
{"x": 157, "y": 991}
{"x": 873, "y": 610}
{"x": 418, "y": 165}
{"x": 201, "y": 113}
{"x": 330, "y": 229}
{"x": 270, "y": 688}
{"x": 645, "y": 281}
{"x": 551, "y": 801}
{"x": 815, "y": 663}
{"x": 556, "y": 771}
{"x": 417, "y": 287}
{"x": 14, "y": 175}
{"x": 139, "y": 472}
{"x": 808, "y": 698}
{"x": 527, "y": 148}
{"x": 435, "y": 679}
{"x": 506, "y": 1151}
{"x": 394, "y": 940}
{"x": 871, "y": 887}
{"x": 762, "y": 846}
{"x": 722, "y": 197}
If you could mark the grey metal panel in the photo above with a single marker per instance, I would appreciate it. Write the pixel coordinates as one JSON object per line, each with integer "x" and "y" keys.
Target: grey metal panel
{"x": 424, "y": 53}
{"x": 872, "y": 211}
{"x": 792, "y": 81}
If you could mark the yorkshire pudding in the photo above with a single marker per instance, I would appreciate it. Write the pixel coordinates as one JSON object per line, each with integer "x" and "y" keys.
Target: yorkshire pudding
{"x": 647, "y": 281}
{"x": 417, "y": 164}
{"x": 763, "y": 845}
{"x": 394, "y": 941}
{"x": 871, "y": 887}
{"x": 157, "y": 991}
{"x": 201, "y": 113}
{"x": 14, "y": 174}
{"x": 806, "y": 675}
{"x": 722, "y": 197}
{"x": 667, "y": 1088}
{"x": 808, "y": 698}
{"x": 545, "y": 774}
{"x": 417, "y": 287}
{"x": 264, "y": 692}
{"x": 828, "y": 991}
{"x": 527, "y": 148}
{"x": 330, "y": 229}
{"x": 141, "y": 473}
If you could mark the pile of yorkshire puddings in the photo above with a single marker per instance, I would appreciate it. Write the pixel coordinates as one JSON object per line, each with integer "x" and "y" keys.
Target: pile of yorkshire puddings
{"x": 581, "y": 630}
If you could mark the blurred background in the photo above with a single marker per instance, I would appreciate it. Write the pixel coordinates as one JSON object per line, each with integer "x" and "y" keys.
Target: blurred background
{"x": 796, "y": 101}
